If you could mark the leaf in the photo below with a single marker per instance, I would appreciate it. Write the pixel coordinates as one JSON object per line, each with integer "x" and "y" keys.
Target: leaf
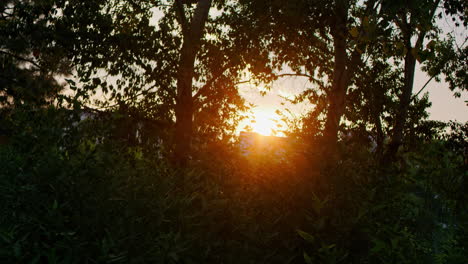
{"x": 318, "y": 204}
{"x": 96, "y": 81}
{"x": 17, "y": 249}
{"x": 320, "y": 224}
{"x": 307, "y": 258}
{"x": 6, "y": 237}
{"x": 400, "y": 47}
{"x": 431, "y": 44}
{"x": 379, "y": 245}
{"x": 359, "y": 50}
{"x": 306, "y": 236}
{"x": 354, "y": 32}
{"x": 365, "y": 22}
{"x": 394, "y": 242}
{"x": 70, "y": 82}
{"x": 174, "y": 256}
{"x": 415, "y": 53}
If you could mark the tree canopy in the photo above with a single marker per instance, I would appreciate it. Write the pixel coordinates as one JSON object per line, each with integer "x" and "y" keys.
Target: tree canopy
{"x": 119, "y": 123}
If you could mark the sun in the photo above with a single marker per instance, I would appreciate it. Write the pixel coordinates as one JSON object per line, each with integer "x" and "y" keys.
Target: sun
{"x": 264, "y": 122}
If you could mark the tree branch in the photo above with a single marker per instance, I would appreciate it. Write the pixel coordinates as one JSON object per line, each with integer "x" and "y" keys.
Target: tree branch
{"x": 424, "y": 86}
{"x": 221, "y": 72}
{"x": 211, "y": 81}
{"x": 182, "y": 18}
{"x": 421, "y": 37}
{"x": 319, "y": 44}
{"x": 21, "y": 58}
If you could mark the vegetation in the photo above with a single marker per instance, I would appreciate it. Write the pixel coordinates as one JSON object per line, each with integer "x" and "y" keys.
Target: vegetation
{"x": 118, "y": 123}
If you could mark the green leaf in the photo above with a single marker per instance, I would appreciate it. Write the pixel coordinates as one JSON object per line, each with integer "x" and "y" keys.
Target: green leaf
{"x": 431, "y": 44}
{"x": 394, "y": 242}
{"x": 306, "y": 236}
{"x": 354, "y": 32}
{"x": 400, "y": 47}
{"x": 415, "y": 53}
{"x": 17, "y": 249}
{"x": 307, "y": 258}
{"x": 379, "y": 245}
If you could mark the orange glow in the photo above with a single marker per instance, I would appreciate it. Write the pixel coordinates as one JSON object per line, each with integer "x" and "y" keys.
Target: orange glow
{"x": 265, "y": 121}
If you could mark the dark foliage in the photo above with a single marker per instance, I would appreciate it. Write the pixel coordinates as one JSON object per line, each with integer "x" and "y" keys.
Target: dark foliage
{"x": 96, "y": 185}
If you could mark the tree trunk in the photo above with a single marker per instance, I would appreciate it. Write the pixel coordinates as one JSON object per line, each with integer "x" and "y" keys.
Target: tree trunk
{"x": 184, "y": 101}
{"x": 336, "y": 96}
{"x": 408, "y": 29}
{"x": 380, "y": 134}
{"x": 405, "y": 99}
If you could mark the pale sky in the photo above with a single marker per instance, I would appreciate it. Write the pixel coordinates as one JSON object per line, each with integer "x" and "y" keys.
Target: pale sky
{"x": 445, "y": 106}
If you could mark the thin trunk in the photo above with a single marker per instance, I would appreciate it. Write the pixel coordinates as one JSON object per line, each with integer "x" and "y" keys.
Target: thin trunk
{"x": 377, "y": 108}
{"x": 336, "y": 99}
{"x": 184, "y": 101}
{"x": 380, "y": 135}
{"x": 402, "y": 113}
{"x": 336, "y": 96}
{"x": 408, "y": 29}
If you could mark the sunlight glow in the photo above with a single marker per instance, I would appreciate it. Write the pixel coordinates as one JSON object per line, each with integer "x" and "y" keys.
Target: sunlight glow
{"x": 265, "y": 122}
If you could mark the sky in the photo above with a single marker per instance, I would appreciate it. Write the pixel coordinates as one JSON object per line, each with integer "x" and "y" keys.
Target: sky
{"x": 445, "y": 106}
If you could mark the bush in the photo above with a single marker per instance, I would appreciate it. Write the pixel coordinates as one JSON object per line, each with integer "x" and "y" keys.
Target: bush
{"x": 74, "y": 194}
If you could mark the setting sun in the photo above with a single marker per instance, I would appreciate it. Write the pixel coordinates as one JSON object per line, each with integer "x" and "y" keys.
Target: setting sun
{"x": 264, "y": 122}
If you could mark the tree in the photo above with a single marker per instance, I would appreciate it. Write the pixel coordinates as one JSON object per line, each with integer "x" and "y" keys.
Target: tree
{"x": 176, "y": 59}
{"x": 192, "y": 35}
{"x": 415, "y": 21}
{"x": 29, "y": 53}
{"x": 371, "y": 101}
{"x": 324, "y": 41}
{"x": 332, "y": 42}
